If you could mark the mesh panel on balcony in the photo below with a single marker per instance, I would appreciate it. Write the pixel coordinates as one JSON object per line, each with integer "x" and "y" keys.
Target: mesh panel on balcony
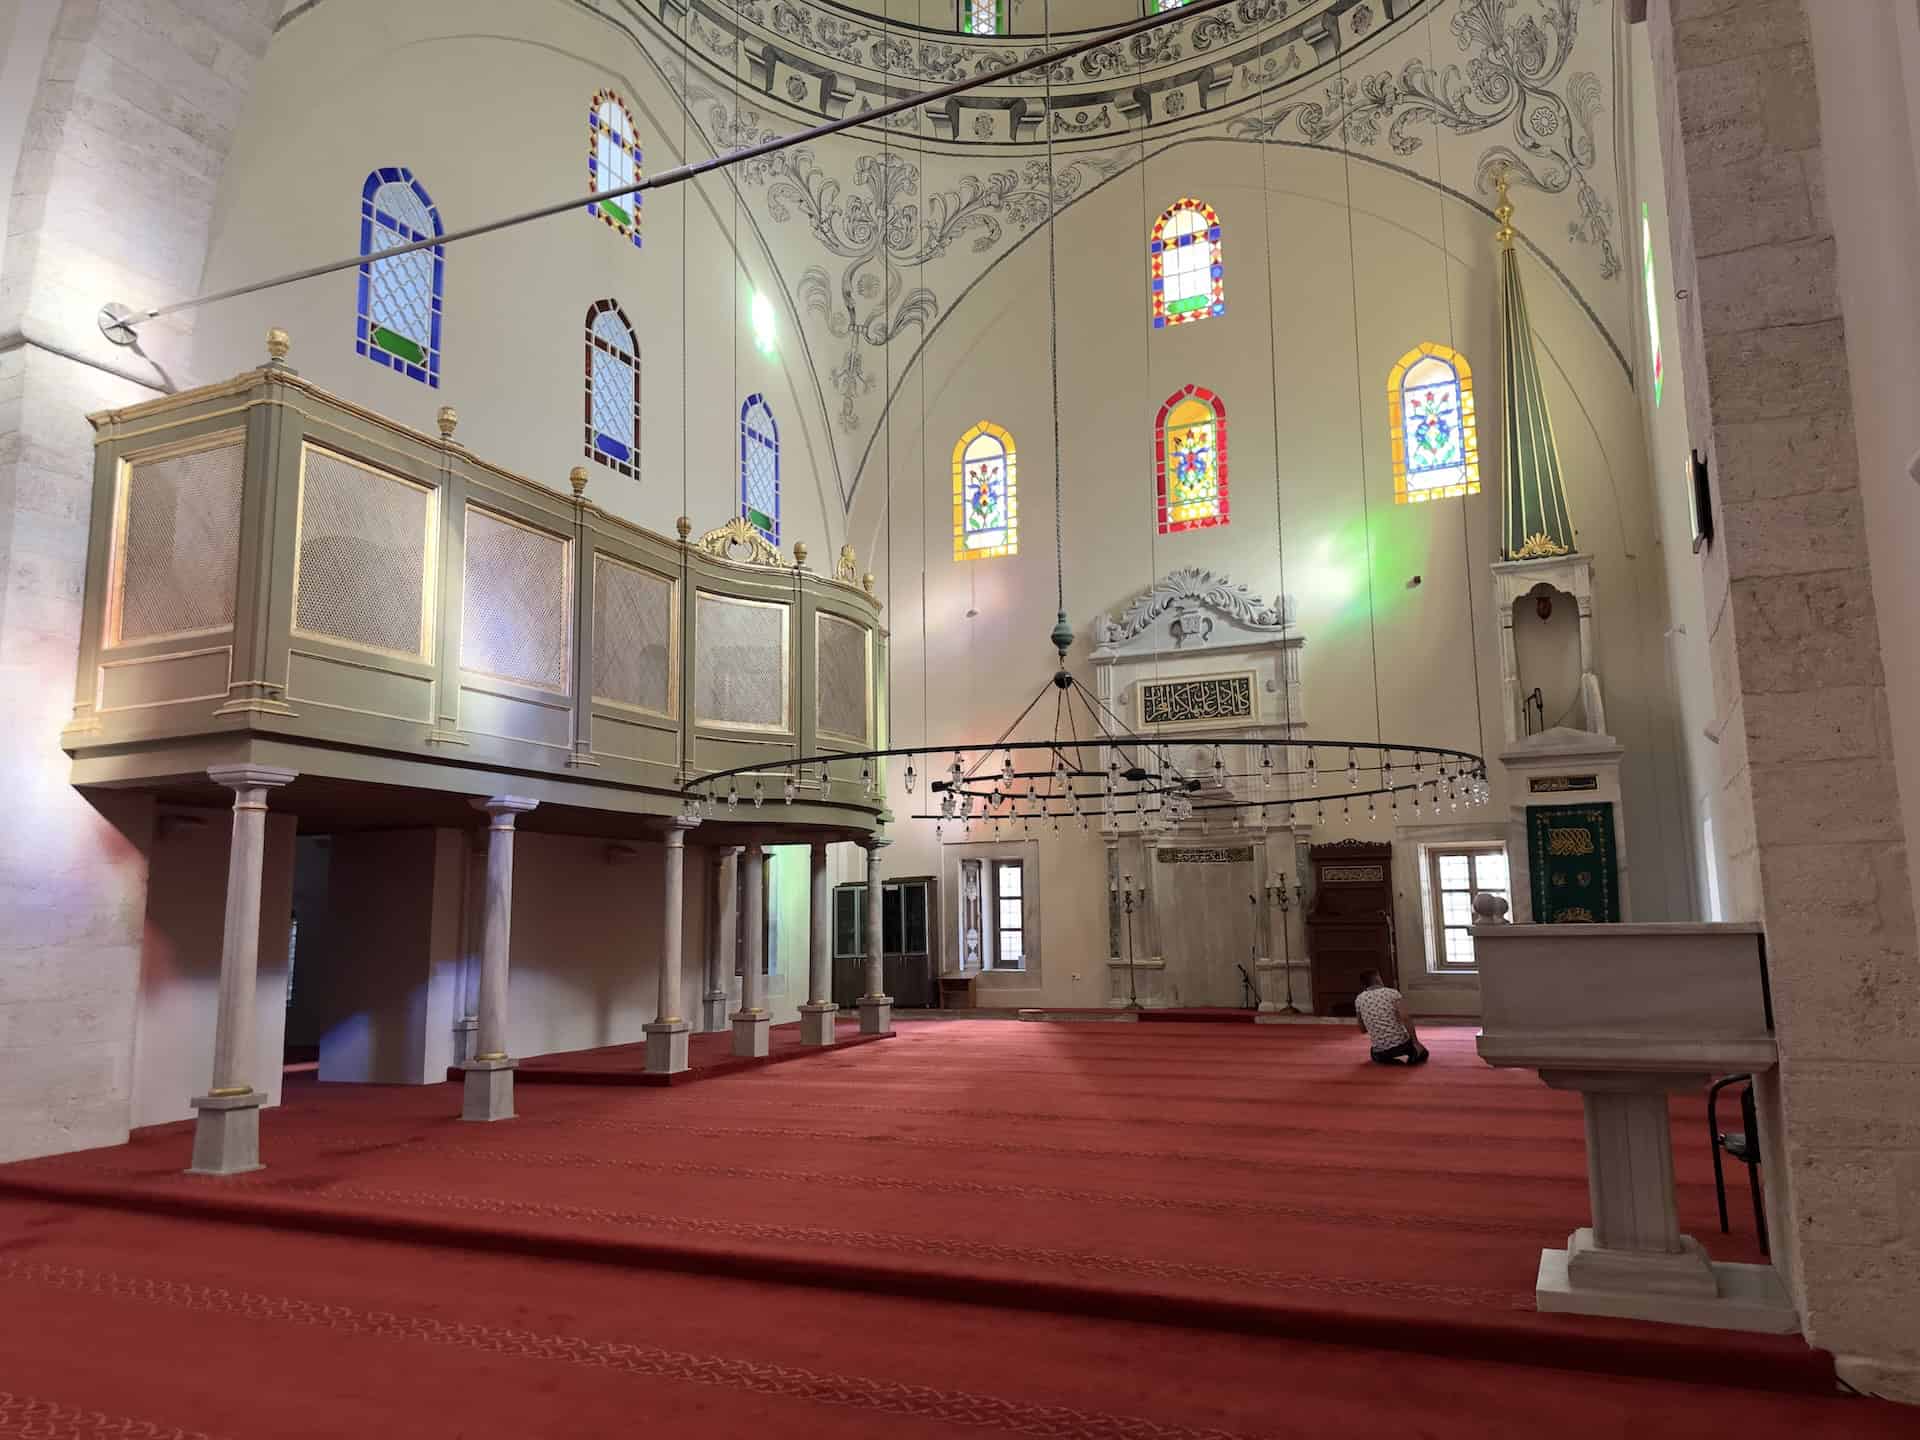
{"x": 632, "y": 624}
{"x": 362, "y": 570}
{"x": 740, "y": 663}
{"x": 181, "y": 544}
{"x": 516, "y": 614}
{"x": 841, "y": 660}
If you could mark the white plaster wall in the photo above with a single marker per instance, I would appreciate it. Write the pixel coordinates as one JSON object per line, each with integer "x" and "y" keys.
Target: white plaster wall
{"x": 377, "y": 966}
{"x": 180, "y": 962}
{"x": 1311, "y": 492}
{"x": 500, "y": 126}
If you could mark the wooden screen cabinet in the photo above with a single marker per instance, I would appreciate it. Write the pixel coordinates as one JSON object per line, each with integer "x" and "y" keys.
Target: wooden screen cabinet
{"x": 1350, "y": 922}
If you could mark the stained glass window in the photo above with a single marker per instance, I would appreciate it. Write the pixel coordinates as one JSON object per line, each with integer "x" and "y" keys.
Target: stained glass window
{"x": 399, "y": 308}
{"x": 1160, "y": 7}
{"x": 983, "y": 17}
{"x": 1189, "y": 281}
{"x": 1653, "y": 306}
{"x": 613, "y": 389}
{"x": 613, "y": 160}
{"x": 1436, "y": 449}
{"x": 1190, "y": 440}
{"x": 760, "y": 467}
{"x": 986, "y": 510}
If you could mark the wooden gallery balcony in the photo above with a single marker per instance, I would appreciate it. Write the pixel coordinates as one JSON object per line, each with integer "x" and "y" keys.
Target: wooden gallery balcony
{"x": 278, "y": 577}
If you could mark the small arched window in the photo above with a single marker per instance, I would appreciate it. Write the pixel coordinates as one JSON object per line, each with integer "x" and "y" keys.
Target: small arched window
{"x": 1189, "y": 280}
{"x": 1190, "y": 439}
{"x": 398, "y": 324}
{"x": 983, "y": 17}
{"x": 1436, "y": 449}
{"x": 613, "y": 389}
{"x": 613, "y": 160}
{"x": 760, "y": 468}
{"x": 986, "y": 511}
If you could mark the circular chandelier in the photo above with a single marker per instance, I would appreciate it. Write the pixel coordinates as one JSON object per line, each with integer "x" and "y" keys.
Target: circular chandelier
{"x": 1109, "y": 771}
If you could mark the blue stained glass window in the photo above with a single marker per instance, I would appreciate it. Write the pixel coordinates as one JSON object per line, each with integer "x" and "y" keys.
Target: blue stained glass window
{"x": 399, "y": 312}
{"x": 760, "y": 467}
{"x": 613, "y": 389}
{"x": 613, "y": 160}
{"x": 1436, "y": 451}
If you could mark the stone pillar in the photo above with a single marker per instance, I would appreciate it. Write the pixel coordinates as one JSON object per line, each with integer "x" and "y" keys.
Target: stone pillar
{"x": 1790, "y": 177}
{"x": 725, "y": 938}
{"x": 489, "y": 1075}
{"x": 816, "y": 1016}
{"x": 226, "y": 1132}
{"x": 876, "y": 1006}
{"x": 750, "y": 1021}
{"x": 667, "y": 1035}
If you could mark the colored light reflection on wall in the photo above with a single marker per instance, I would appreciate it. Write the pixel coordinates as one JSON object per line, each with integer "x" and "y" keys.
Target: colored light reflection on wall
{"x": 760, "y": 313}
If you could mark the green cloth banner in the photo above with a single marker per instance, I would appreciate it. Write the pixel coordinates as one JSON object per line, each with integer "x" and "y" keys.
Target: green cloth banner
{"x": 1571, "y": 859}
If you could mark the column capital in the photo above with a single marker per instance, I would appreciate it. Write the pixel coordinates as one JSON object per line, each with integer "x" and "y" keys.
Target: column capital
{"x": 678, "y": 826}
{"x": 251, "y": 777}
{"x": 727, "y": 852}
{"x": 505, "y": 805}
{"x": 876, "y": 843}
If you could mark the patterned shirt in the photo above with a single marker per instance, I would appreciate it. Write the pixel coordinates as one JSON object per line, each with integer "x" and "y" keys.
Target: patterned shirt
{"x": 1375, "y": 1009}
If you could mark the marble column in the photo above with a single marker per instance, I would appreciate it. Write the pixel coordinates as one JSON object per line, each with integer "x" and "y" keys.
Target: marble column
{"x": 726, "y": 920}
{"x": 489, "y": 1074}
{"x": 226, "y": 1132}
{"x": 876, "y": 1006}
{"x": 667, "y": 1034}
{"x": 751, "y": 1021}
{"x": 816, "y": 1016}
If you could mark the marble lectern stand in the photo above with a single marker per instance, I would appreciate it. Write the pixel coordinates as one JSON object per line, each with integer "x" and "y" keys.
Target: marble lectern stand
{"x": 1627, "y": 1015}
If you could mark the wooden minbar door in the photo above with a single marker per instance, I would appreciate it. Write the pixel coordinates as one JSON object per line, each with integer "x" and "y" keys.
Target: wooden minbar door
{"x": 1350, "y": 923}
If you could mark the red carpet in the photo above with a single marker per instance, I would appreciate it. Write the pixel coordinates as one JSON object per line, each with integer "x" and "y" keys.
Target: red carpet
{"x": 1200, "y": 1015}
{"x": 708, "y": 1056}
{"x": 1066, "y": 1181}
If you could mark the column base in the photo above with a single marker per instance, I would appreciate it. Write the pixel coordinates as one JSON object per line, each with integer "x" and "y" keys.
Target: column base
{"x": 750, "y": 1029}
{"x": 713, "y": 1012}
{"x": 876, "y": 1014}
{"x": 488, "y": 1091}
{"x": 226, "y": 1134}
{"x": 1683, "y": 1289}
{"x": 666, "y": 1046}
{"x": 816, "y": 1024}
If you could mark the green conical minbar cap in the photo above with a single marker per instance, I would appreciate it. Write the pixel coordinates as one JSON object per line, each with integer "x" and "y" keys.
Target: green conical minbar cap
{"x": 1537, "y": 524}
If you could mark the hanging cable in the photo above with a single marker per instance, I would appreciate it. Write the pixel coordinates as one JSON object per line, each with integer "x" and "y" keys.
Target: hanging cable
{"x": 1062, "y": 632}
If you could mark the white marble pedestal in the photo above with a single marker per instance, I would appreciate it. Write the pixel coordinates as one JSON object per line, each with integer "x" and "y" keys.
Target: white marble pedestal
{"x": 226, "y": 1134}
{"x": 876, "y": 1014}
{"x": 750, "y": 1029}
{"x": 666, "y": 1046}
{"x": 488, "y": 1090}
{"x": 816, "y": 1024}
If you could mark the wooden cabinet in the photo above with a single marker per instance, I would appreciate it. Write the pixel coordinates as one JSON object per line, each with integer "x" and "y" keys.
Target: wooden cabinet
{"x": 1350, "y": 921}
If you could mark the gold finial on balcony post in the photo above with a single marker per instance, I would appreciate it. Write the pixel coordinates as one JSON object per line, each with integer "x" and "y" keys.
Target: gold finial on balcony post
{"x": 685, "y": 527}
{"x": 866, "y": 584}
{"x": 448, "y": 418}
{"x": 278, "y": 344}
{"x": 577, "y": 478}
{"x": 800, "y": 554}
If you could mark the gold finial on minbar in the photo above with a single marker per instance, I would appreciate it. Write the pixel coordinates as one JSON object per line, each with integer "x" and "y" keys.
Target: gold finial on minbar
{"x": 577, "y": 478}
{"x": 685, "y": 527}
{"x": 278, "y": 344}
{"x": 800, "y": 552}
{"x": 448, "y": 418}
{"x": 866, "y": 584}
{"x": 1503, "y": 212}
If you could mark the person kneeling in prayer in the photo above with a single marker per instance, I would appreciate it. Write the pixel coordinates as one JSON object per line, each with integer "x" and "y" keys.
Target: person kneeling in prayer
{"x": 1383, "y": 1015}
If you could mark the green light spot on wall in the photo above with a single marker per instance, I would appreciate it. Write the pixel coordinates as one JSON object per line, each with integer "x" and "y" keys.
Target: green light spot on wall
{"x": 761, "y": 314}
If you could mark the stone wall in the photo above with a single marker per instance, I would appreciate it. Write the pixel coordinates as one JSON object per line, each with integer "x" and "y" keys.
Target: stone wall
{"x": 1810, "y": 797}
{"x": 111, "y": 188}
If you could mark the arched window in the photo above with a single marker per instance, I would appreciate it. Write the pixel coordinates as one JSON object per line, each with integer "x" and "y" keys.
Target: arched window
{"x": 1190, "y": 439}
{"x": 1189, "y": 282}
{"x": 399, "y": 313}
{"x": 1160, "y": 7}
{"x": 760, "y": 468}
{"x": 983, "y": 17}
{"x": 613, "y": 160}
{"x": 986, "y": 513}
{"x": 613, "y": 389}
{"x": 1436, "y": 451}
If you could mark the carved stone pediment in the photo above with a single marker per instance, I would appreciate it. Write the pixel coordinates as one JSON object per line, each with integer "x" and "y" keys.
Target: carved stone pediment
{"x": 1187, "y": 605}
{"x": 739, "y": 542}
